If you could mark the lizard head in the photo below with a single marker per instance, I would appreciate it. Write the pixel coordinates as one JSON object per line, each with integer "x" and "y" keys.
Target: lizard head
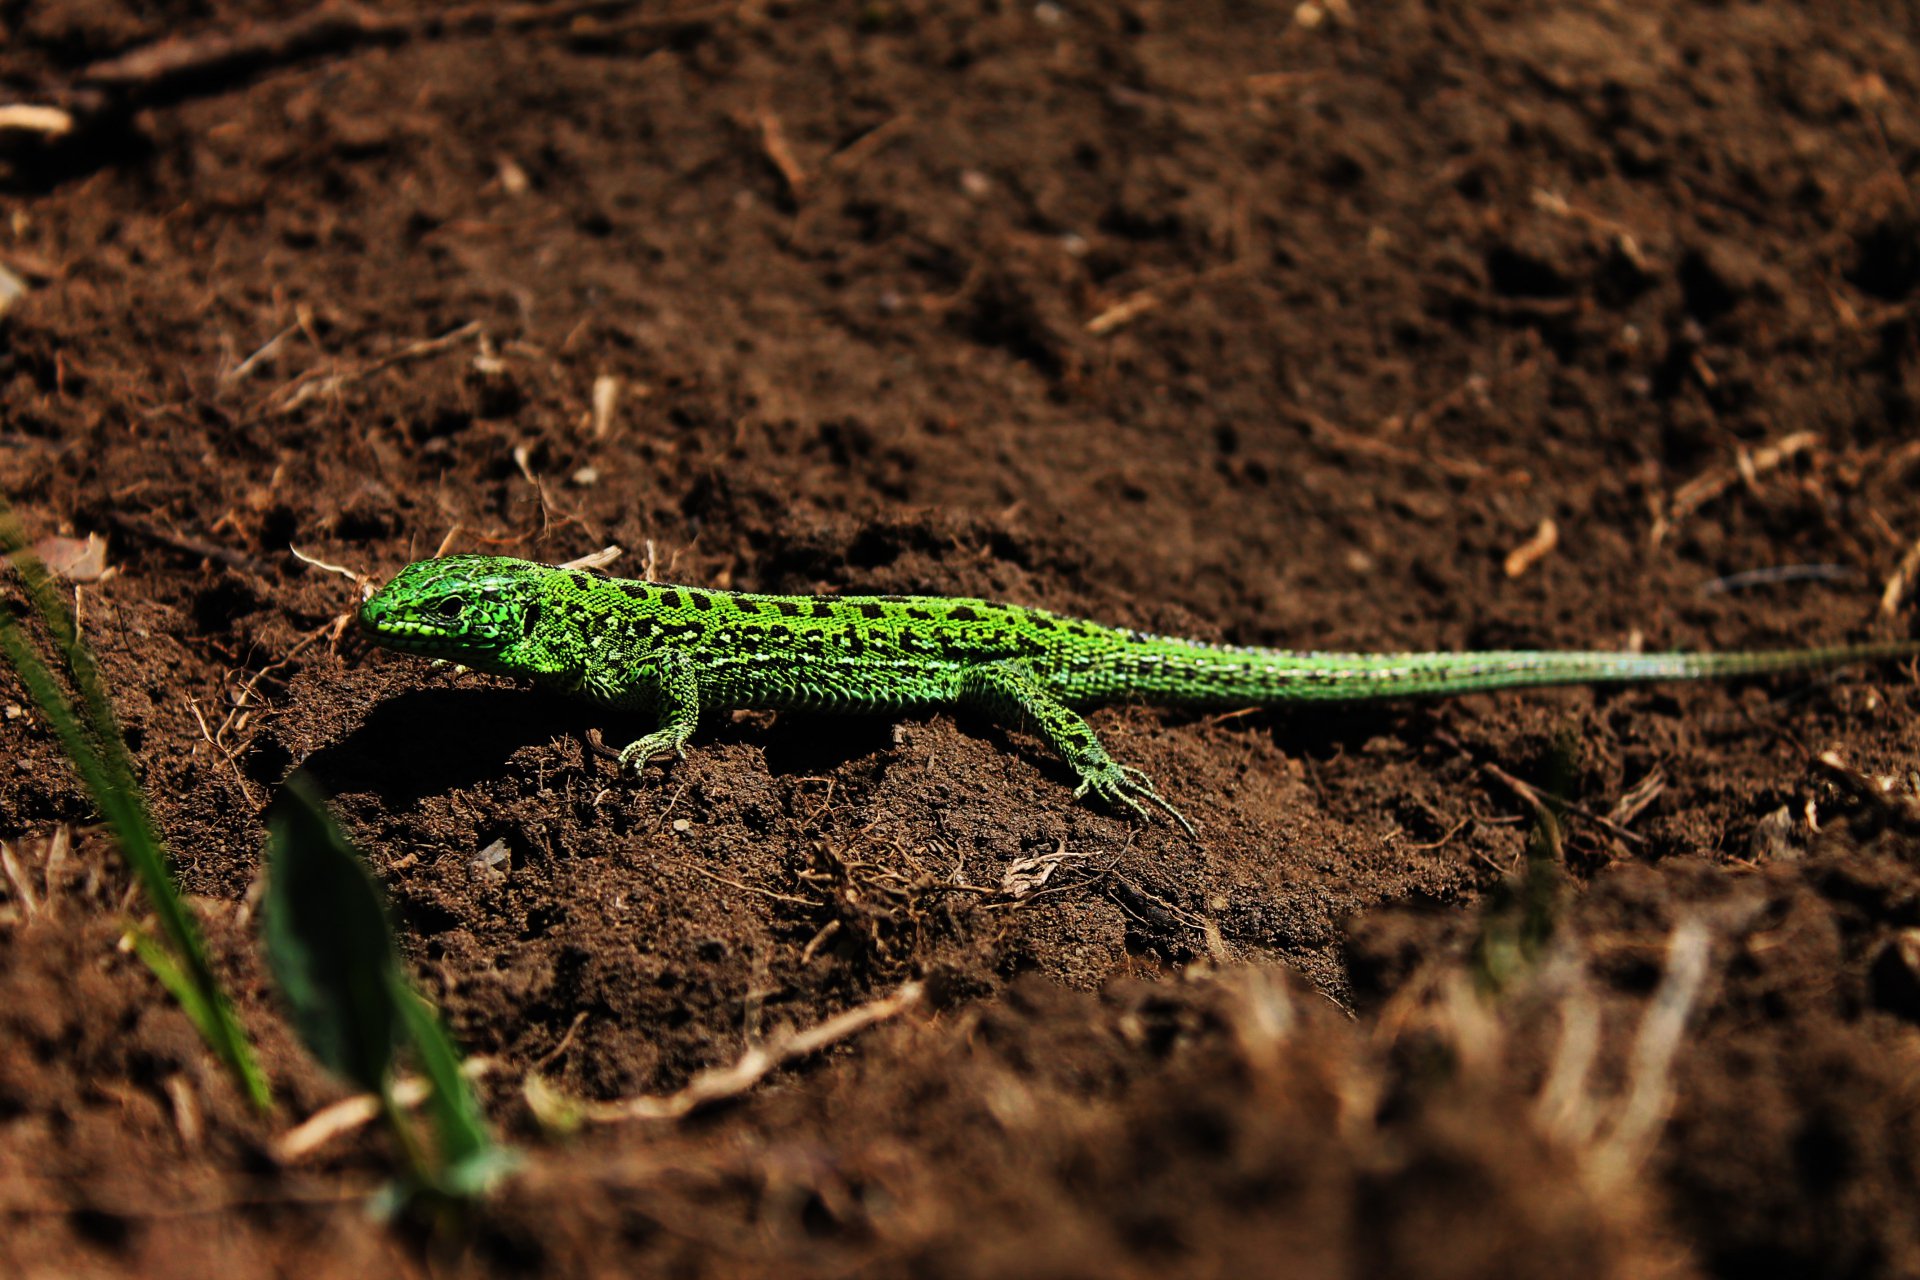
{"x": 471, "y": 609}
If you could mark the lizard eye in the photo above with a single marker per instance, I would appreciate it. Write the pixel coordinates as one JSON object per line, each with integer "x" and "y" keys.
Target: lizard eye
{"x": 529, "y": 620}
{"x": 451, "y": 607}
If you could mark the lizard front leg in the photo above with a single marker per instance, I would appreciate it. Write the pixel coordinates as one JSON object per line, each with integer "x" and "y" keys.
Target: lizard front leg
{"x": 1012, "y": 692}
{"x": 676, "y": 697}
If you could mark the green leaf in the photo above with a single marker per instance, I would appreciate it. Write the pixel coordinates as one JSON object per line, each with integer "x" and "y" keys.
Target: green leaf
{"x": 331, "y": 948}
{"x": 327, "y": 940}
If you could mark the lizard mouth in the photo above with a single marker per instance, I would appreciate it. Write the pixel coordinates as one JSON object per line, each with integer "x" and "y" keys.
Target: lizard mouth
{"x": 397, "y": 631}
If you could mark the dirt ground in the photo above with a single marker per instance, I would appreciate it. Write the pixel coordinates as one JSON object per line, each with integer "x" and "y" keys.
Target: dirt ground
{"x": 1290, "y": 325}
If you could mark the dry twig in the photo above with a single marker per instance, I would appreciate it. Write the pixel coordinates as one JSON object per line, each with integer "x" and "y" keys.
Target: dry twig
{"x": 312, "y": 384}
{"x": 30, "y": 117}
{"x": 855, "y": 153}
{"x": 246, "y": 792}
{"x": 1542, "y": 803}
{"x": 1352, "y": 442}
{"x": 748, "y": 888}
{"x": 1901, "y": 585}
{"x": 17, "y": 879}
{"x": 1636, "y": 799}
{"x": 1650, "y": 1085}
{"x": 773, "y": 141}
{"x": 595, "y": 560}
{"x": 1141, "y": 301}
{"x": 202, "y": 63}
{"x": 721, "y": 1083}
{"x": 1748, "y": 466}
{"x": 325, "y": 566}
{"x": 142, "y": 527}
{"x": 1128, "y": 308}
{"x": 1534, "y": 549}
{"x": 343, "y": 1117}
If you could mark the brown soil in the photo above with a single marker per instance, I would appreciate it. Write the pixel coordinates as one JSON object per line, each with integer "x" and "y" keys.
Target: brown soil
{"x": 1202, "y": 318}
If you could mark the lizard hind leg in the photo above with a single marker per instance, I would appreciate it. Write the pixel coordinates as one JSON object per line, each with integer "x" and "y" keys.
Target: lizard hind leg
{"x": 1012, "y": 692}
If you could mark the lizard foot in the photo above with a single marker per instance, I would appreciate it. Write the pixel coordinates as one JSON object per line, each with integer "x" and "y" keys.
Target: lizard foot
{"x": 1123, "y": 785}
{"x": 640, "y": 751}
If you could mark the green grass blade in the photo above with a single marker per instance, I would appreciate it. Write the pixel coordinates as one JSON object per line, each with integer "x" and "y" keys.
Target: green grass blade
{"x": 43, "y": 593}
{"x": 1522, "y": 912}
{"x": 470, "y": 1162}
{"x": 160, "y": 960}
{"x": 124, "y": 812}
{"x": 98, "y": 753}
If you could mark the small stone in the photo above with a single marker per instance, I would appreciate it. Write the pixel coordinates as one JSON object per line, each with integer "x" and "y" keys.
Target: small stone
{"x": 587, "y": 477}
{"x": 682, "y": 825}
{"x": 513, "y": 179}
{"x": 492, "y": 861}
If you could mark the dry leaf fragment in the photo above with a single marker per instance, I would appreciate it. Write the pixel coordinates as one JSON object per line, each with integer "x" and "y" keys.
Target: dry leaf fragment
{"x": 75, "y": 559}
{"x": 606, "y": 399}
{"x": 1029, "y": 875}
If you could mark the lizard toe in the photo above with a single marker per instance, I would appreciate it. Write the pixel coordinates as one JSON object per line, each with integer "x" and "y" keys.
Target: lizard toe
{"x": 1121, "y": 784}
{"x": 1124, "y": 786}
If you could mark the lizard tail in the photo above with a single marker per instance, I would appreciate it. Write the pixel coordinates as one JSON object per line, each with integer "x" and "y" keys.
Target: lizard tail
{"x": 1178, "y": 671}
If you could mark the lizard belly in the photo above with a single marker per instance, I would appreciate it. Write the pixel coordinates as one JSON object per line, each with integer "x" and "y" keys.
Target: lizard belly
{"x": 826, "y": 683}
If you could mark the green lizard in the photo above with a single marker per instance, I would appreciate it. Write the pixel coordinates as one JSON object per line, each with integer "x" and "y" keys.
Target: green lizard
{"x": 673, "y": 651}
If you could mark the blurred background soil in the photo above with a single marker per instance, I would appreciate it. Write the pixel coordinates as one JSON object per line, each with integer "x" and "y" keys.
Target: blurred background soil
{"x": 1330, "y": 325}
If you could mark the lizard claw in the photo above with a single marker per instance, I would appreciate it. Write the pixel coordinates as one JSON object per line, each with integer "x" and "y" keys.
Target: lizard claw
{"x": 1124, "y": 785}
